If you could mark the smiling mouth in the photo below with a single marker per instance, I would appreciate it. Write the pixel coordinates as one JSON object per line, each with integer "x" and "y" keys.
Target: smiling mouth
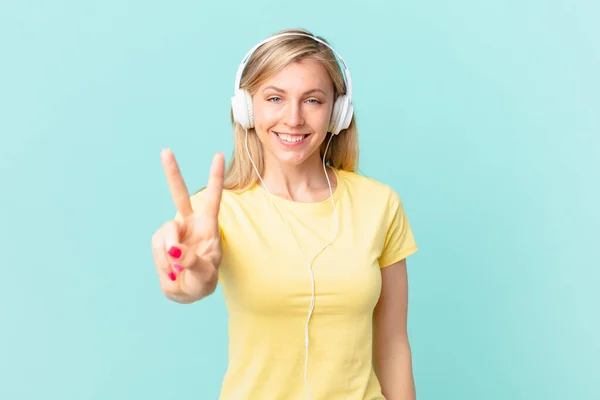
{"x": 291, "y": 139}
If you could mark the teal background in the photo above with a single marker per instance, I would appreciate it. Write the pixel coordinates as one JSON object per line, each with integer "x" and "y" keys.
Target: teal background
{"x": 484, "y": 116}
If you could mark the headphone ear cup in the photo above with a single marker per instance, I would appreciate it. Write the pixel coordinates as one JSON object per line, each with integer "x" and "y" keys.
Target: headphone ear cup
{"x": 241, "y": 104}
{"x": 335, "y": 115}
{"x": 348, "y": 112}
{"x": 249, "y": 109}
{"x": 341, "y": 115}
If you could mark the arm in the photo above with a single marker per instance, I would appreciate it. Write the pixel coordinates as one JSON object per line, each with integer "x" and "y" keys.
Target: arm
{"x": 392, "y": 359}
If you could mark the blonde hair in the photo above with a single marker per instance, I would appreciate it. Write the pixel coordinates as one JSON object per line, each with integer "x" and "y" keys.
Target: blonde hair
{"x": 266, "y": 61}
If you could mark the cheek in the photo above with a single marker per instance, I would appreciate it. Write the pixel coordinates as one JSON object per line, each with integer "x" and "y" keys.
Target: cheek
{"x": 264, "y": 115}
{"x": 322, "y": 119}
{"x": 263, "y": 121}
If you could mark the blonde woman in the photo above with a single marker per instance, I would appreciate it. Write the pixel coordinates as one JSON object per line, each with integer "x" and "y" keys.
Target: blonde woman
{"x": 311, "y": 256}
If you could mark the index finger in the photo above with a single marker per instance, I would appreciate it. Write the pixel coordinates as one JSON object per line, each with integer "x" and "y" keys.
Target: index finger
{"x": 214, "y": 188}
{"x": 179, "y": 191}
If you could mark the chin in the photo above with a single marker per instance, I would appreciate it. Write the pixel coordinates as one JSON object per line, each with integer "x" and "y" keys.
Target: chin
{"x": 291, "y": 158}
{"x": 293, "y": 161}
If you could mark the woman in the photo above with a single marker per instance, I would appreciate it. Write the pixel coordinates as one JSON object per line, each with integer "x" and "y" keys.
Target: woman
{"x": 311, "y": 256}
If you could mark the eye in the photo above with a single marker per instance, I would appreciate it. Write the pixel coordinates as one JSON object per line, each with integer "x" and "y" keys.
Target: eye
{"x": 315, "y": 101}
{"x": 274, "y": 99}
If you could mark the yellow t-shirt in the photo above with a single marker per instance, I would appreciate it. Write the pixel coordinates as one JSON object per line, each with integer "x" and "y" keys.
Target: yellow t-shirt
{"x": 267, "y": 289}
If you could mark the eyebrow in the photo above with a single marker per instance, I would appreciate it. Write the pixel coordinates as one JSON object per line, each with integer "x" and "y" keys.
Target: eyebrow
{"x": 283, "y": 91}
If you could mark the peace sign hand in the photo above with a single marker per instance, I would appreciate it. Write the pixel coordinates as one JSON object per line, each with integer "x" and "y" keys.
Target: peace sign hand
{"x": 187, "y": 250}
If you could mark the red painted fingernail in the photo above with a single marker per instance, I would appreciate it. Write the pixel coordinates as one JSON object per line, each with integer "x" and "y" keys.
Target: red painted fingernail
{"x": 177, "y": 267}
{"x": 175, "y": 252}
{"x": 172, "y": 276}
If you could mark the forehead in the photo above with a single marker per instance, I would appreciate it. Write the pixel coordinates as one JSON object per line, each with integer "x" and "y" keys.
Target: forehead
{"x": 301, "y": 75}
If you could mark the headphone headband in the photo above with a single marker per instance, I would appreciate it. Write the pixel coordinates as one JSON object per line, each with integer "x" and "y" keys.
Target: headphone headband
{"x": 246, "y": 58}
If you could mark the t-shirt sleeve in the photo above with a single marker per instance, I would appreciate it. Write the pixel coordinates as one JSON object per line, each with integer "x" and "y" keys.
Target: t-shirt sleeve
{"x": 399, "y": 240}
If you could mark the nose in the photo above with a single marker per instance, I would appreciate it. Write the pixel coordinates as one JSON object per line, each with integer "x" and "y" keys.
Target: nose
{"x": 294, "y": 115}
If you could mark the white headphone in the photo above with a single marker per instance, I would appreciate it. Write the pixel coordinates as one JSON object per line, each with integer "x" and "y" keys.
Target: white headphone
{"x": 241, "y": 102}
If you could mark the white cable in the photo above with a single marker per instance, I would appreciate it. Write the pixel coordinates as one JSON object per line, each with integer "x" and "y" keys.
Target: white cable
{"x": 312, "y": 277}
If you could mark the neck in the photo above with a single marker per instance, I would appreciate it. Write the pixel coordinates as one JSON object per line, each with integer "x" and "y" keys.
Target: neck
{"x": 304, "y": 183}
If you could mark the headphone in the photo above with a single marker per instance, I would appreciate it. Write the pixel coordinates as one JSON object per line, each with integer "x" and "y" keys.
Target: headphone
{"x": 241, "y": 102}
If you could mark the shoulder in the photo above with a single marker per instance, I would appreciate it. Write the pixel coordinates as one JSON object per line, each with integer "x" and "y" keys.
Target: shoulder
{"x": 363, "y": 186}
{"x": 227, "y": 193}
{"x": 230, "y": 200}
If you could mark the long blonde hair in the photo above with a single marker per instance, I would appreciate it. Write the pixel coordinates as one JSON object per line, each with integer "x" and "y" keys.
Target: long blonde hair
{"x": 266, "y": 61}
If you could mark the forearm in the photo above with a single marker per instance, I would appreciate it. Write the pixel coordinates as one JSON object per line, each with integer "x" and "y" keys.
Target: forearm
{"x": 393, "y": 367}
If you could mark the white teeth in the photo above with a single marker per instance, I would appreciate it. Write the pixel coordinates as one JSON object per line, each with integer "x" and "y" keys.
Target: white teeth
{"x": 290, "y": 138}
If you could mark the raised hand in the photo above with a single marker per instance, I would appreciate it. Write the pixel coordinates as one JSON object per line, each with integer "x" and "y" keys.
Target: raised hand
{"x": 187, "y": 250}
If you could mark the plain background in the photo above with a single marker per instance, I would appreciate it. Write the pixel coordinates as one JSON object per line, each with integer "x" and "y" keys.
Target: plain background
{"x": 484, "y": 116}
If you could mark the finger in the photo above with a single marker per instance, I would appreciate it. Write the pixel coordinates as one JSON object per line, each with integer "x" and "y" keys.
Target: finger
{"x": 179, "y": 191}
{"x": 172, "y": 232}
{"x": 179, "y": 255}
{"x": 161, "y": 259}
{"x": 215, "y": 185}
{"x": 182, "y": 258}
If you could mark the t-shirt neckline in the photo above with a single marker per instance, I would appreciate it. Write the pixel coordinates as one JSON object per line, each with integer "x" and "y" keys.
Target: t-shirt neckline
{"x": 312, "y": 206}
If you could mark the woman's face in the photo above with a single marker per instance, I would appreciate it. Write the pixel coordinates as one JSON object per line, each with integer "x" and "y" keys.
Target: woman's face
{"x": 292, "y": 111}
